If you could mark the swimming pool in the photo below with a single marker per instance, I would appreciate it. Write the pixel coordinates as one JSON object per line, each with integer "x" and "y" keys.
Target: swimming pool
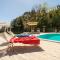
{"x": 50, "y": 37}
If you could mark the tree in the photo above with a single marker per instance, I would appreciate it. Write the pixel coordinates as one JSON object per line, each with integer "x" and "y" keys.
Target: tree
{"x": 17, "y": 25}
{"x": 41, "y": 14}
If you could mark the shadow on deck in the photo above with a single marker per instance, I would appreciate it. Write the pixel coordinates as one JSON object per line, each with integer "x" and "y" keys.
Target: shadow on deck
{"x": 21, "y": 50}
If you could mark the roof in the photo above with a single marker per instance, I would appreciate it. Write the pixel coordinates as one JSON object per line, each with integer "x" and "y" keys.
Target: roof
{"x": 32, "y": 23}
{"x": 4, "y": 24}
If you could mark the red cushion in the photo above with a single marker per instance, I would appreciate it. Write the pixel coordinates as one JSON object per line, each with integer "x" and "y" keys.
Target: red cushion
{"x": 25, "y": 40}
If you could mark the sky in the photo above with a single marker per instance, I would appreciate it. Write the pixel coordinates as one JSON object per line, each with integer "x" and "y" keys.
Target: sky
{"x": 10, "y": 9}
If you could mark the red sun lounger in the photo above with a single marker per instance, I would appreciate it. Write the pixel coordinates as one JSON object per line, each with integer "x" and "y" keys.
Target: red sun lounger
{"x": 26, "y": 40}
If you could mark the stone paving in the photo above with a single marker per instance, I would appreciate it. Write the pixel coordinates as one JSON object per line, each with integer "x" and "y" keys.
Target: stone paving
{"x": 45, "y": 51}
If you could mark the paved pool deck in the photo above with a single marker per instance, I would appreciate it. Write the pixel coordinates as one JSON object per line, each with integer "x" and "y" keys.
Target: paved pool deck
{"x": 47, "y": 50}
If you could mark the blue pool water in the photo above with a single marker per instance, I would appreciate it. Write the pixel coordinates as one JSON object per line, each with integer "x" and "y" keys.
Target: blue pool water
{"x": 51, "y": 37}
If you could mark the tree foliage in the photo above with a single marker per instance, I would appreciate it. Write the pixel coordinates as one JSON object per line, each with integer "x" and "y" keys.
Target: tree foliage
{"x": 17, "y": 25}
{"x": 41, "y": 14}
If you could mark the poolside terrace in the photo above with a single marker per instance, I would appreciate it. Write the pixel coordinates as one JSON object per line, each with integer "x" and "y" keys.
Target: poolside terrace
{"x": 46, "y": 50}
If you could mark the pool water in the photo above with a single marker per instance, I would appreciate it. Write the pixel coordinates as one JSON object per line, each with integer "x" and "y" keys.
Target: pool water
{"x": 51, "y": 37}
